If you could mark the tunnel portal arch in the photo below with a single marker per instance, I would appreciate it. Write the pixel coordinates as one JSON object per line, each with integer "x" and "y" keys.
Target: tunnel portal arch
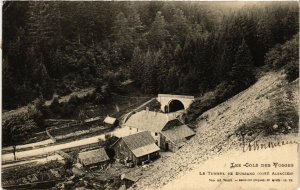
{"x": 175, "y": 105}
{"x": 171, "y": 102}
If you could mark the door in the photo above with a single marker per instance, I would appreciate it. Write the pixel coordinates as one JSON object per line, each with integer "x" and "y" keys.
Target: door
{"x": 167, "y": 146}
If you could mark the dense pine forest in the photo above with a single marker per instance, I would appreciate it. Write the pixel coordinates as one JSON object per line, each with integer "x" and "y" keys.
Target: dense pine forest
{"x": 164, "y": 47}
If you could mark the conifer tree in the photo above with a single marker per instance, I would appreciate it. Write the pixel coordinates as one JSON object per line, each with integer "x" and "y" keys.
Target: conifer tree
{"x": 150, "y": 74}
{"x": 242, "y": 68}
{"x": 136, "y": 66}
{"x": 158, "y": 32}
{"x": 179, "y": 27}
{"x": 123, "y": 37}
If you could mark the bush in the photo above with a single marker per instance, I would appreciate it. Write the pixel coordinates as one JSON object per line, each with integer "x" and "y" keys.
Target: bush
{"x": 74, "y": 100}
{"x": 292, "y": 72}
{"x": 99, "y": 98}
{"x": 67, "y": 109}
{"x": 17, "y": 129}
{"x": 285, "y": 56}
{"x": 55, "y": 106}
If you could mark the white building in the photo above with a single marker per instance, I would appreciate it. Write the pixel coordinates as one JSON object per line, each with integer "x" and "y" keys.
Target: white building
{"x": 154, "y": 122}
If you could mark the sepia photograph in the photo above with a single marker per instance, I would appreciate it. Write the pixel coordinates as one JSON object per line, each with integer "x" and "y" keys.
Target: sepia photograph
{"x": 150, "y": 95}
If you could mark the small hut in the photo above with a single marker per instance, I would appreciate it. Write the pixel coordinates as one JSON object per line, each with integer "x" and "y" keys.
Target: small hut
{"x": 93, "y": 159}
{"x": 129, "y": 179}
{"x": 174, "y": 138}
{"x": 110, "y": 122}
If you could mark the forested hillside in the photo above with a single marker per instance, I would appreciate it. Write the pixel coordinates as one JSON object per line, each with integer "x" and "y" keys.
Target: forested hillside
{"x": 164, "y": 47}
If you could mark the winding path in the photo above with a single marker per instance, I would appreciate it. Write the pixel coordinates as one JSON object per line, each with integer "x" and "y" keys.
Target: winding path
{"x": 125, "y": 117}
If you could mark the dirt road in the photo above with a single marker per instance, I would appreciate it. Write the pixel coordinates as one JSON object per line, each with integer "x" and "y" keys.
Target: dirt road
{"x": 40, "y": 151}
{"x": 126, "y": 116}
{"x": 31, "y": 145}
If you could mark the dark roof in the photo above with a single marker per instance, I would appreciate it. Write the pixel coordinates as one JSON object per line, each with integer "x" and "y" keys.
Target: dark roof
{"x": 150, "y": 120}
{"x": 178, "y": 133}
{"x": 141, "y": 143}
{"x": 172, "y": 123}
{"x": 93, "y": 156}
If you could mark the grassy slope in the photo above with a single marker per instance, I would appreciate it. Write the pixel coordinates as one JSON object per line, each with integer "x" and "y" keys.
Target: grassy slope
{"x": 217, "y": 134}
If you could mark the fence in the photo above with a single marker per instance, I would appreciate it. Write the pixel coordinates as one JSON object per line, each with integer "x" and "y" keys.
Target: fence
{"x": 92, "y": 145}
{"x": 28, "y": 158}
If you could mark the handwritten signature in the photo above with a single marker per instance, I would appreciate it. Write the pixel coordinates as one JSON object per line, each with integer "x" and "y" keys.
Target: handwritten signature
{"x": 255, "y": 145}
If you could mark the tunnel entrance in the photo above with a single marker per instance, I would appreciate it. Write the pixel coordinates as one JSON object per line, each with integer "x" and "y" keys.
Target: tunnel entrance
{"x": 175, "y": 105}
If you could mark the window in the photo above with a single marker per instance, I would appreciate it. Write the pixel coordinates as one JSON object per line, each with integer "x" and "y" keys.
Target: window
{"x": 156, "y": 134}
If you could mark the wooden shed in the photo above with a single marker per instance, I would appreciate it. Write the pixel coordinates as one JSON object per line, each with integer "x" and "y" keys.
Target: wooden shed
{"x": 110, "y": 121}
{"x": 93, "y": 159}
{"x": 174, "y": 138}
{"x": 136, "y": 149}
{"x": 128, "y": 180}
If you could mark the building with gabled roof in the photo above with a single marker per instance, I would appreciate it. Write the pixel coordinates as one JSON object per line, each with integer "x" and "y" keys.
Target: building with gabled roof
{"x": 93, "y": 158}
{"x": 129, "y": 178}
{"x": 151, "y": 121}
{"x": 175, "y": 137}
{"x": 136, "y": 149}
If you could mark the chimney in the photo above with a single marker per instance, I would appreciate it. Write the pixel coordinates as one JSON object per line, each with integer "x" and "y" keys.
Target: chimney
{"x": 147, "y": 109}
